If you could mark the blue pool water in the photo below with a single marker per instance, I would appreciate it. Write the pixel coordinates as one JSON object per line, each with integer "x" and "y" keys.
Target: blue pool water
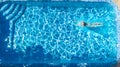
{"x": 48, "y": 32}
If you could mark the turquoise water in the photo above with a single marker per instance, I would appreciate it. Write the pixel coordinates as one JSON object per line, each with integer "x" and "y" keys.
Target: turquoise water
{"x": 49, "y": 32}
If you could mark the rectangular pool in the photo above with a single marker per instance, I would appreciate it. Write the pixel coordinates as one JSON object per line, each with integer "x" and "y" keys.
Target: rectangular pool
{"x": 49, "y": 32}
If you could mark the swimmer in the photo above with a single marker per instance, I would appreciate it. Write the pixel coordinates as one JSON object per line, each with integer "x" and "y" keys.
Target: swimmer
{"x": 96, "y": 24}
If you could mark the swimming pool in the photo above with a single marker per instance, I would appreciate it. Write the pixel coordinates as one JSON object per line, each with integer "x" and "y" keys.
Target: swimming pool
{"x": 47, "y": 32}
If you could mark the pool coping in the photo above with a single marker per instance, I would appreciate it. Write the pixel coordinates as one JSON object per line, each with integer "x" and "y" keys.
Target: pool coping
{"x": 118, "y": 34}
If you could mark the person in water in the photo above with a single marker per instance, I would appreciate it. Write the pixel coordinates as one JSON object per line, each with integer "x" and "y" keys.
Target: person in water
{"x": 96, "y": 24}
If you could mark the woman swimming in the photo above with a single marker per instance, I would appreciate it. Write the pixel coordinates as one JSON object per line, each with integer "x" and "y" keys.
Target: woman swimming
{"x": 95, "y": 24}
